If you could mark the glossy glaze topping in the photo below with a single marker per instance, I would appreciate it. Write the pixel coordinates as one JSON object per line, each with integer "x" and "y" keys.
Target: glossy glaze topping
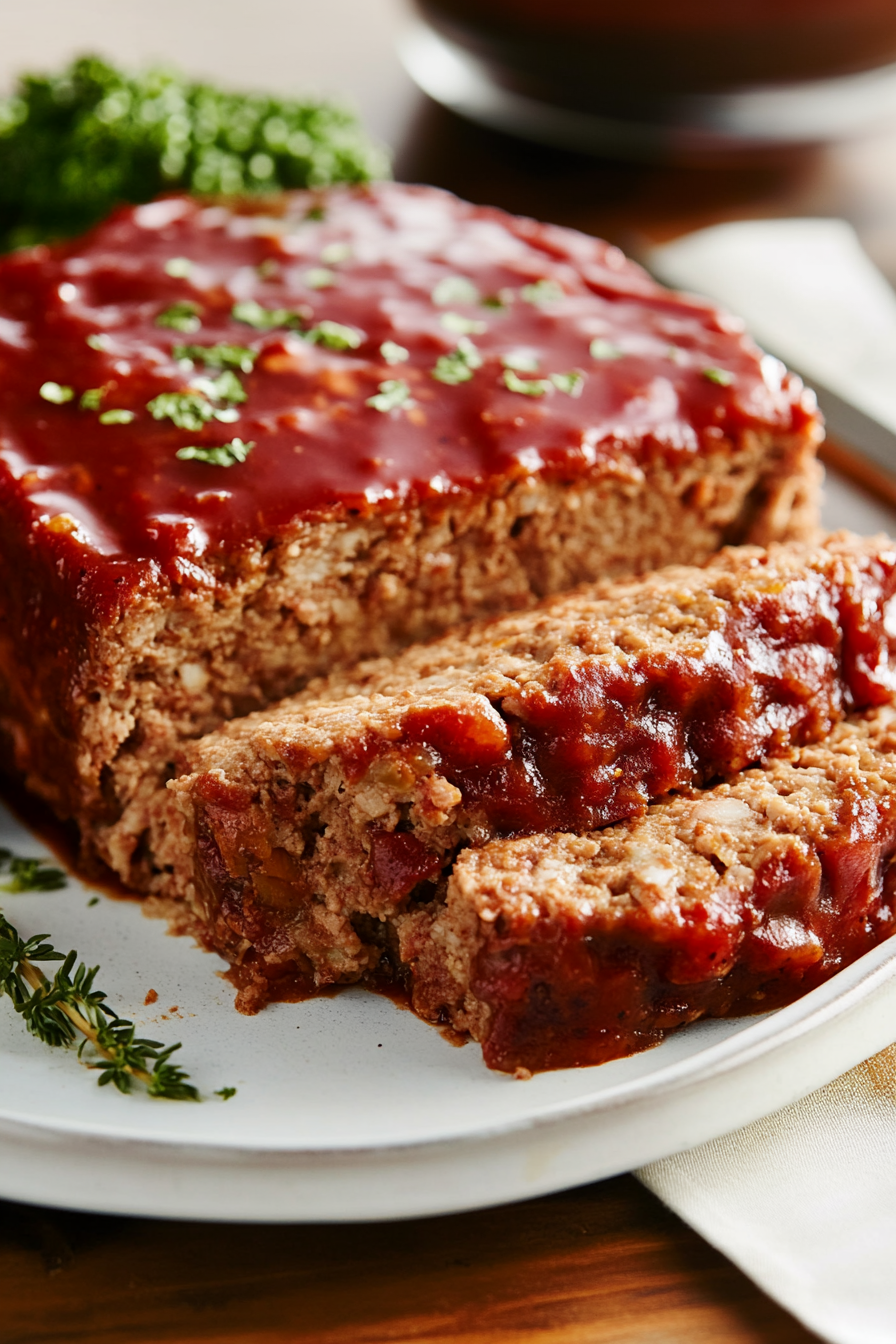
{"x": 351, "y": 349}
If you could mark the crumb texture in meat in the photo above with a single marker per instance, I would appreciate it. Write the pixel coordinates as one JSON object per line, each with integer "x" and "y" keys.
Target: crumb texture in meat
{"x": 431, "y": 411}
{"x": 299, "y": 833}
{"x": 561, "y": 950}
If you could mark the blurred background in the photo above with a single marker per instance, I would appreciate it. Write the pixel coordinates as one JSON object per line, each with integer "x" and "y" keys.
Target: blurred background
{"x": 663, "y": 96}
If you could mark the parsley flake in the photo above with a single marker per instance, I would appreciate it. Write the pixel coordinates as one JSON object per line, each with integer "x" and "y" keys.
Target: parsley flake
{"x": 464, "y": 326}
{"x": 454, "y": 289}
{"x": 219, "y": 455}
{"x": 571, "y": 383}
{"x": 335, "y": 336}
{"x": 178, "y": 267}
{"x": 263, "y": 319}
{"x": 182, "y": 316}
{"x": 225, "y": 1093}
{"x": 524, "y": 361}
{"x": 720, "y": 376}
{"x": 57, "y": 393}
{"x": 393, "y": 353}
{"x": 458, "y": 366}
{"x": 541, "y": 292}
{"x": 91, "y": 399}
{"x": 602, "y": 349}
{"x": 187, "y": 410}
{"x": 226, "y": 387}
{"x": 116, "y": 416}
{"x": 529, "y": 387}
{"x": 392, "y": 393}
{"x": 220, "y": 356}
{"x": 320, "y": 277}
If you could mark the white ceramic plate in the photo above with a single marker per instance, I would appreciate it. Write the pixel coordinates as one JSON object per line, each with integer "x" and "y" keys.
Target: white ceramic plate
{"x": 348, "y": 1108}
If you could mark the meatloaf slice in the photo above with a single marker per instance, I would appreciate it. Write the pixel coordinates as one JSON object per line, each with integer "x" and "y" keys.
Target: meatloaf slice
{"x": 241, "y": 445}
{"x": 296, "y": 832}
{"x": 558, "y": 950}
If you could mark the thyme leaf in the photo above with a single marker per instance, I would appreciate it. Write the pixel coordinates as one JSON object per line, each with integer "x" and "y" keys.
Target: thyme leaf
{"x": 60, "y": 1009}
{"x": 29, "y": 874}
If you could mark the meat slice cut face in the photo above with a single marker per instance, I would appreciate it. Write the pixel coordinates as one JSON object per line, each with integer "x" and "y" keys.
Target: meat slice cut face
{"x": 245, "y": 443}
{"x": 300, "y": 834}
{"x": 558, "y": 950}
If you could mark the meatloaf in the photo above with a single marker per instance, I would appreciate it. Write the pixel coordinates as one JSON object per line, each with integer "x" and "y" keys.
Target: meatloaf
{"x": 243, "y": 444}
{"x": 298, "y": 833}
{"x": 557, "y": 950}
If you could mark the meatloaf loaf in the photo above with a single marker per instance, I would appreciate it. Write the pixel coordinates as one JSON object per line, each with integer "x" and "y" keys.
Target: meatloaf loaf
{"x": 557, "y": 950}
{"x": 243, "y": 444}
{"x": 298, "y": 833}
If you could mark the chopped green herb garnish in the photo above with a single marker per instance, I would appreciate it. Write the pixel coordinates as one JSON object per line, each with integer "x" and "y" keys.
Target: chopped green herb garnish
{"x": 571, "y": 383}
{"x": 459, "y": 365}
{"x": 464, "y": 326}
{"x": 393, "y": 353}
{"x": 335, "y": 336}
{"x": 454, "y": 289}
{"x": 542, "y": 291}
{"x": 29, "y": 874}
{"x": 91, "y": 399}
{"x": 183, "y": 316}
{"x": 74, "y": 144}
{"x": 320, "y": 277}
{"x": 116, "y": 416}
{"x": 225, "y": 1093}
{"x": 56, "y": 1011}
{"x": 394, "y": 392}
{"x": 264, "y": 319}
{"x": 220, "y": 356}
{"x": 220, "y": 455}
{"x": 188, "y": 410}
{"x": 720, "y": 376}
{"x": 97, "y": 341}
{"x": 602, "y": 349}
{"x": 178, "y": 267}
{"x": 226, "y": 387}
{"x": 524, "y": 361}
{"x": 529, "y": 387}
{"x": 94, "y": 900}
{"x": 57, "y": 393}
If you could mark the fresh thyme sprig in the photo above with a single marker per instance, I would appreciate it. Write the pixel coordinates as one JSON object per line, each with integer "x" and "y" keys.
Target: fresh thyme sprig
{"x": 56, "y": 1011}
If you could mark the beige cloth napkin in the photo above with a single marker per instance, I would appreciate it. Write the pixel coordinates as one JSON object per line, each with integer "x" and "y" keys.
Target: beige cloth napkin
{"x": 804, "y": 1202}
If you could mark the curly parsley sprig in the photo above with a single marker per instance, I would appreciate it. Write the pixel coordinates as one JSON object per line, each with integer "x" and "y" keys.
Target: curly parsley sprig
{"x": 75, "y": 143}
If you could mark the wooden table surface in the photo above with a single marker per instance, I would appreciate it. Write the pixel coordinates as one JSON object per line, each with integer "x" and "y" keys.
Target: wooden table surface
{"x": 603, "y": 1263}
